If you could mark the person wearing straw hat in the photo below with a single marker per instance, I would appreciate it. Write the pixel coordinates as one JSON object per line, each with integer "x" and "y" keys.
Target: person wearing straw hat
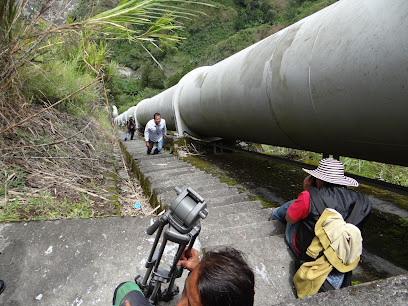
{"x": 325, "y": 187}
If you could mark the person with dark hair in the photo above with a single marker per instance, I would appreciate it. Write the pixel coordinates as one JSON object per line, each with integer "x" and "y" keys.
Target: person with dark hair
{"x": 155, "y": 132}
{"x": 325, "y": 187}
{"x": 222, "y": 278}
{"x": 130, "y": 128}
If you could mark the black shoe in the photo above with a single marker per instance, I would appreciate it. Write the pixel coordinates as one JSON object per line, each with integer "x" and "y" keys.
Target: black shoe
{"x": 2, "y": 286}
{"x": 125, "y": 139}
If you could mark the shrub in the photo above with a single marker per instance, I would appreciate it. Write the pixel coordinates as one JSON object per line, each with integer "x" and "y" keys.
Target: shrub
{"x": 123, "y": 85}
{"x": 55, "y": 80}
{"x": 230, "y": 46}
{"x": 152, "y": 76}
{"x": 143, "y": 94}
{"x": 175, "y": 77}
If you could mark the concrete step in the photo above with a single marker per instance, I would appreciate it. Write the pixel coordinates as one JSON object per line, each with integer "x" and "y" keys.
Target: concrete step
{"x": 210, "y": 237}
{"x": 144, "y": 156}
{"x": 390, "y": 291}
{"x": 171, "y": 173}
{"x": 233, "y": 220}
{"x": 135, "y": 145}
{"x": 134, "y": 142}
{"x": 227, "y": 200}
{"x": 73, "y": 262}
{"x": 184, "y": 180}
{"x": 141, "y": 154}
{"x": 159, "y": 168}
{"x": 155, "y": 167}
{"x": 170, "y": 160}
{"x": 236, "y": 208}
{"x": 162, "y": 163}
{"x": 196, "y": 186}
{"x": 205, "y": 193}
{"x": 273, "y": 266}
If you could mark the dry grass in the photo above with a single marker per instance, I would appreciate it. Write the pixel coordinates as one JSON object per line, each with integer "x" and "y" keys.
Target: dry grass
{"x": 59, "y": 157}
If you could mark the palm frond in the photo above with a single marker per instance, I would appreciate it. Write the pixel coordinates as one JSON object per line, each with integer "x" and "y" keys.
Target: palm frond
{"x": 137, "y": 20}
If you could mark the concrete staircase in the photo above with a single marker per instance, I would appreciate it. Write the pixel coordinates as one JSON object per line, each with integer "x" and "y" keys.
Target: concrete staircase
{"x": 81, "y": 261}
{"x": 233, "y": 220}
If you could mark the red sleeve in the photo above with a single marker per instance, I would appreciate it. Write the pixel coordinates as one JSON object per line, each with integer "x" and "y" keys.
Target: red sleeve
{"x": 299, "y": 209}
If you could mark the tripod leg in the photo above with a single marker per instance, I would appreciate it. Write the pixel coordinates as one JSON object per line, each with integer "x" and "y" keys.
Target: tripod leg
{"x": 194, "y": 235}
{"x": 163, "y": 245}
{"x": 171, "y": 290}
{"x": 176, "y": 259}
{"x": 155, "y": 297}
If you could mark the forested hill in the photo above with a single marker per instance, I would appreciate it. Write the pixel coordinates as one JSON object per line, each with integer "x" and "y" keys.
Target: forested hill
{"x": 226, "y": 28}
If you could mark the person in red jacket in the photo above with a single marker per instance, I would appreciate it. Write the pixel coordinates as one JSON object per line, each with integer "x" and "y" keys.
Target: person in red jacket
{"x": 325, "y": 187}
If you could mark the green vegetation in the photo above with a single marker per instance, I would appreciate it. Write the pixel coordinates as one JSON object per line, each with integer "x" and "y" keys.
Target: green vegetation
{"x": 227, "y": 27}
{"x": 54, "y": 80}
{"x": 34, "y": 49}
{"x": 385, "y": 172}
{"x": 265, "y": 204}
{"x": 12, "y": 178}
{"x": 234, "y": 169}
{"x": 42, "y": 207}
{"x": 386, "y": 234}
{"x": 55, "y": 160}
{"x": 299, "y": 9}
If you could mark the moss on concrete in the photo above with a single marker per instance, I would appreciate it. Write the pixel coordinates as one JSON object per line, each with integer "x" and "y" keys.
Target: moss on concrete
{"x": 239, "y": 168}
{"x": 398, "y": 199}
{"x": 144, "y": 183}
{"x": 265, "y": 204}
{"x": 114, "y": 190}
{"x": 228, "y": 180}
{"x": 210, "y": 168}
{"x": 386, "y": 235}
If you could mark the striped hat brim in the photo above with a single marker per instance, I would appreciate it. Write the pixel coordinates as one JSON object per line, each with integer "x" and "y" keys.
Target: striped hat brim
{"x": 332, "y": 171}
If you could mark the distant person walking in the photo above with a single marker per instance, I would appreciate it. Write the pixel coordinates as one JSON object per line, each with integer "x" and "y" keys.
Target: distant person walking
{"x": 155, "y": 132}
{"x": 130, "y": 128}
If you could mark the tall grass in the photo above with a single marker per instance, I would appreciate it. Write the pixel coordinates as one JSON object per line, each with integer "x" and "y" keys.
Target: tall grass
{"x": 24, "y": 42}
{"x": 55, "y": 79}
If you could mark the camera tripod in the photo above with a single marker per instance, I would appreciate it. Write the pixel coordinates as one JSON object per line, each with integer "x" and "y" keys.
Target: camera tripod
{"x": 183, "y": 219}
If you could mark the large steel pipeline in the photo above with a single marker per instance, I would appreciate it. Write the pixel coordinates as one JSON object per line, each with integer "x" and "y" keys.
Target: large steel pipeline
{"x": 335, "y": 82}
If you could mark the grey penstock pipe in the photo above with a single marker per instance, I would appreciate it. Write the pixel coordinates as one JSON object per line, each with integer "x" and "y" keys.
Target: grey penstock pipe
{"x": 335, "y": 82}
